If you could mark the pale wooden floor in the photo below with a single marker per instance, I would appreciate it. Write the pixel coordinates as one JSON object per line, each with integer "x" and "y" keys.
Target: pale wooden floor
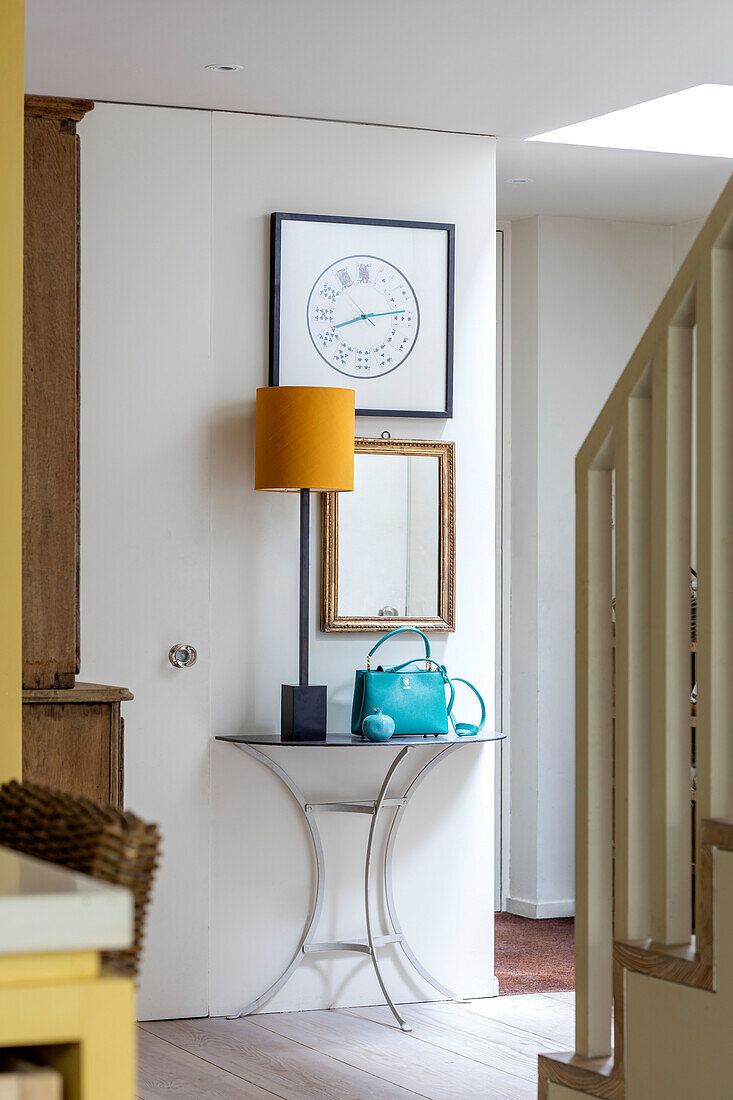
{"x": 478, "y": 1051}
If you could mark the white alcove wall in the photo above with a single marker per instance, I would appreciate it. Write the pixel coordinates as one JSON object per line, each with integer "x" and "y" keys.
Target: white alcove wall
{"x": 261, "y": 864}
{"x": 582, "y": 293}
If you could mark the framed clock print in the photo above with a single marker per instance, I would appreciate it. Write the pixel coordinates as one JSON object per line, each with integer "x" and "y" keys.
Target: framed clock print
{"x": 366, "y": 304}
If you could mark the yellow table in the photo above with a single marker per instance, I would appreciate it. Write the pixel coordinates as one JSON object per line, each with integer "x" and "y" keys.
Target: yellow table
{"x": 54, "y": 1001}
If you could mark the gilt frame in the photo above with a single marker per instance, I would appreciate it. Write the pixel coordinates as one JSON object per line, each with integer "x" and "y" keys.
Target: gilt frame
{"x": 331, "y": 620}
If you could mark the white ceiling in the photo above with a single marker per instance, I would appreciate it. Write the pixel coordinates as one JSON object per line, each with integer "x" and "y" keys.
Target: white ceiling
{"x": 576, "y": 181}
{"x": 513, "y": 68}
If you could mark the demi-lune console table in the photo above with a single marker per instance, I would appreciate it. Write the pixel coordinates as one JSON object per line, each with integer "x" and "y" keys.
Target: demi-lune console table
{"x": 435, "y": 749}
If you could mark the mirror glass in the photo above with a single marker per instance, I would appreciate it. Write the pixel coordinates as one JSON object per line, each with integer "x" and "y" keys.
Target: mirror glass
{"x": 389, "y": 547}
{"x": 389, "y": 535}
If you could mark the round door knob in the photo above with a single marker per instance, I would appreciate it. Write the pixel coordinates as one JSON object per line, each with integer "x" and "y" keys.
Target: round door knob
{"x": 182, "y": 656}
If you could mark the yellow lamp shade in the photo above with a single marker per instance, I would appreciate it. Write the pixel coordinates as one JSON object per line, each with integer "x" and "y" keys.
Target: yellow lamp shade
{"x": 304, "y": 439}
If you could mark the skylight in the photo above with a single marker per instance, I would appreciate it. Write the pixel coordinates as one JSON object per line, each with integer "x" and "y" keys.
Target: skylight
{"x": 697, "y": 121}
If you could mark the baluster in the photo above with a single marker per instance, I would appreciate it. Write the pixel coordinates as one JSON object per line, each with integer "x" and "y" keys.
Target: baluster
{"x": 594, "y": 732}
{"x": 670, "y": 632}
{"x": 632, "y": 895}
{"x": 714, "y": 664}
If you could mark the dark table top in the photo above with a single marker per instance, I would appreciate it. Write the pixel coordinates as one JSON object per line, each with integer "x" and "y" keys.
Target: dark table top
{"x": 343, "y": 740}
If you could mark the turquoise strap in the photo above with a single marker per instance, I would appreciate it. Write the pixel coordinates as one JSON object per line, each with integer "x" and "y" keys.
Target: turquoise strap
{"x": 465, "y": 729}
{"x": 400, "y": 630}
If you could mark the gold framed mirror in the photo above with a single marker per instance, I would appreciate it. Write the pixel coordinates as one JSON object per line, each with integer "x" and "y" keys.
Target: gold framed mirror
{"x": 388, "y": 548}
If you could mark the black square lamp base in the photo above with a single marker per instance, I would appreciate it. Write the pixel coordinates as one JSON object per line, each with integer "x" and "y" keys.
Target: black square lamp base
{"x": 303, "y": 712}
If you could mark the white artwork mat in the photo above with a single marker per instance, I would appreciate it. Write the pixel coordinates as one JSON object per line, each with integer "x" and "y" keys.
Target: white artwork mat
{"x": 419, "y": 383}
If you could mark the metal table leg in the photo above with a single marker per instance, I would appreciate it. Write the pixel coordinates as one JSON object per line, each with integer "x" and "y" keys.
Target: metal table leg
{"x": 370, "y": 944}
{"x": 388, "y": 894}
{"x": 315, "y": 913}
{"x": 367, "y": 882}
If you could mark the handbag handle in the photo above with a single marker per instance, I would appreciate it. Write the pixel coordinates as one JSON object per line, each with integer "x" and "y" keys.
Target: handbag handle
{"x": 465, "y": 729}
{"x": 399, "y": 630}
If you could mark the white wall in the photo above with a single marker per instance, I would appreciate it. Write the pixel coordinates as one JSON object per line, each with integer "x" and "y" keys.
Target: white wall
{"x": 683, "y": 238}
{"x": 261, "y": 889}
{"x": 583, "y": 291}
{"x": 522, "y": 611}
{"x": 178, "y": 547}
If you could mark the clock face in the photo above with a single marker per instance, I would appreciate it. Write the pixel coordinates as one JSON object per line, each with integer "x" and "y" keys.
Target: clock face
{"x": 363, "y": 316}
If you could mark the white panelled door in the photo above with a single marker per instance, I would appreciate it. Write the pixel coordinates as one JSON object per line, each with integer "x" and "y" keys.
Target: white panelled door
{"x": 146, "y": 401}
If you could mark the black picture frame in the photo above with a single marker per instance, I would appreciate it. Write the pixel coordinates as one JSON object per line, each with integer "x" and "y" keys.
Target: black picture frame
{"x": 276, "y": 220}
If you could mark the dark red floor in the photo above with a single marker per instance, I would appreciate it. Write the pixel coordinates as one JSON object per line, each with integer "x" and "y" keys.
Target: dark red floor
{"x": 534, "y": 956}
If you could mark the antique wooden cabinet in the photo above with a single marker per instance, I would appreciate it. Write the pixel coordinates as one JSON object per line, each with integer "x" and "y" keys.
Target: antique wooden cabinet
{"x": 73, "y": 738}
{"x": 72, "y": 733}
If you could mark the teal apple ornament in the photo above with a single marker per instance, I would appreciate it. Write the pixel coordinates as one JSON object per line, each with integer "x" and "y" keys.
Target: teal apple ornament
{"x": 378, "y": 726}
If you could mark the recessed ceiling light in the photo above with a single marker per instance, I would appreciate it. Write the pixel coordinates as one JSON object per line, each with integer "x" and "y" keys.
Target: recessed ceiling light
{"x": 520, "y": 179}
{"x": 695, "y": 121}
{"x": 224, "y": 68}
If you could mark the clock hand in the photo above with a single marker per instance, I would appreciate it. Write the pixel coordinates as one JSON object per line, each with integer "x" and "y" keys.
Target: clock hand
{"x": 366, "y": 316}
{"x": 361, "y": 314}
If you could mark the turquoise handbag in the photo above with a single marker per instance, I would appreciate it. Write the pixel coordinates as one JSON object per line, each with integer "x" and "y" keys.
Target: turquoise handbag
{"x": 415, "y": 698}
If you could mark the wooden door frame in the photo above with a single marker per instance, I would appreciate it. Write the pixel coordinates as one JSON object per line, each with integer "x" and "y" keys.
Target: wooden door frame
{"x": 503, "y": 565}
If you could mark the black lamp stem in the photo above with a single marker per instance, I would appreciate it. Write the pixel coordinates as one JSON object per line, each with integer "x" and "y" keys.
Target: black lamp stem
{"x": 303, "y": 707}
{"x": 305, "y": 516}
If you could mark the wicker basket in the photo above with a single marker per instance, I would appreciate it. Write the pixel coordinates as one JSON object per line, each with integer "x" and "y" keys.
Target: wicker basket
{"x": 89, "y": 837}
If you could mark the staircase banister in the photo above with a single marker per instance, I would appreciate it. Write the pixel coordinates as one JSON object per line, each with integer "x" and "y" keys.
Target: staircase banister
{"x": 653, "y": 777}
{"x": 672, "y": 309}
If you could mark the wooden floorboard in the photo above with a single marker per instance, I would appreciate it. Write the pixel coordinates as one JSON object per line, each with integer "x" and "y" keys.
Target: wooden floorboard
{"x": 383, "y": 1050}
{"x": 536, "y": 1014}
{"x": 273, "y": 1061}
{"x": 487, "y": 1041}
{"x": 167, "y": 1071}
{"x": 480, "y": 1051}
{"x": 568, "y": 998}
